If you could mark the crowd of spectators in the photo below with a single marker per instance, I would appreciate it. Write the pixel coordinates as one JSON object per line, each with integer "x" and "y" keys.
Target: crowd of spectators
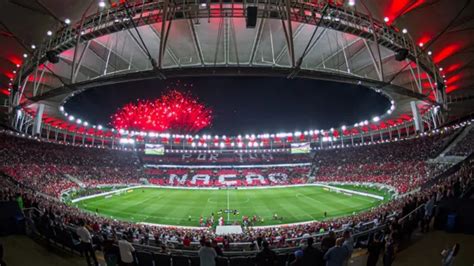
{"x": 55, "y": 216}
{"x": 465, "y": 146}
{"x": 229, "y": 158}
{"x": 258, "y": 176}
{"x": 47, "y": 167}
{"x": 401, "y": 164}
{"x": 32, "y": 166}
{"x": 53, "y": 168}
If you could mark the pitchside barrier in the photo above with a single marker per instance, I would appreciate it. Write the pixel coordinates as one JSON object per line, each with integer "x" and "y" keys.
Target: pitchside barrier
{"x": 360, "y": 235}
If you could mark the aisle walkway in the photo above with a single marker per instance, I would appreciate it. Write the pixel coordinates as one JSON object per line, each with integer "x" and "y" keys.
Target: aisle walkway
{"x": 22, "y": 250}
{"x": 427, "y": 249}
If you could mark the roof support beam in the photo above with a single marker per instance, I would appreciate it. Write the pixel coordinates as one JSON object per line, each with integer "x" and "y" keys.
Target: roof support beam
{"x": 78, "y": 37}
{"x": 226, "y": 41}
{"x": 288, "y": 30}
{"x": 76, "y": 67}
{"x": 218, "y": 41}
{"x": 433, "y": 89}
{"x": 309, "y": 45}
{"x": 168, "y": 49}
{"x": 376, "y": 40}
{"x": 68, "y": 61}
{"x": 339, "y": 51}
{"x": 256, "y": 41}
{"x": 107, "y": 60}
{"x": 371, "y": 63}
{"x": 345, "y": 59}
{"x": 415, "y": 78}
{"x": 310, "y": 49}
{"x": 196, "y": 42}
{"x": 377, "y": 65}
{"x": 298, "y": 30}
{"x": 234, "y": 41}
{"x": 141, "y": 43}
{"x": 128, "y": 61}
{"x": 37, "y": 82}
{"x": 164, "y": 20}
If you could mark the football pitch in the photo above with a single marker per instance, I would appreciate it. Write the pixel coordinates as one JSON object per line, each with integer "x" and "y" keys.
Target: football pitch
{"x": 184, "y": 207}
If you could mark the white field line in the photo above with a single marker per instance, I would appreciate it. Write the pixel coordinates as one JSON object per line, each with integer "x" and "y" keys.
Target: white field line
{"x": 327, "y": 185}
{"x": 266, "y": 187}
{"x": 228, "y": 206}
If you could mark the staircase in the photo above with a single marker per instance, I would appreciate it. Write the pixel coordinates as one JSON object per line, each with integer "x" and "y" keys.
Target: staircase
{"x": 75, "y": 180}
{"x": 446, "y": 142}
{"x": 443, "y": 158}
{"x": 313, "y": 169}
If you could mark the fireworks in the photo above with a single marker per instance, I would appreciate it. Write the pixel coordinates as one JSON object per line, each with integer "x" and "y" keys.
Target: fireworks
{"x": 174, "y": 111}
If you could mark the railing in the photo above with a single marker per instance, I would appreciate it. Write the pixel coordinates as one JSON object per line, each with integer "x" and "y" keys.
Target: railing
{"x": 236, "y": 248}
{"x": 117, "y": 18}
{"x": 361, "y": 233}
{"x": 14, "y": 181}
{"x": 62, "y": 236}
{"x": 453, "y": 169}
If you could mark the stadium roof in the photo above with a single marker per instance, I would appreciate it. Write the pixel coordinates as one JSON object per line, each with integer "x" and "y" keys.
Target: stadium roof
{"x": 442, "y": 27}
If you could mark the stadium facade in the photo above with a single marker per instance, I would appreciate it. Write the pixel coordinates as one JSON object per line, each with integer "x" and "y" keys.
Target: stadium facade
{"x": 293, "y": 39}
{"x": 414, "y": 150}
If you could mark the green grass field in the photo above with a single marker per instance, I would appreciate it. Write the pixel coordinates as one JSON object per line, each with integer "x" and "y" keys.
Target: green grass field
{"x": 174, "y": 206}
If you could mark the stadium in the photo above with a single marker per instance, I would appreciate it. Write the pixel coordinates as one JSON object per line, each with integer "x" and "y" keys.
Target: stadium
{"x": 214, "y": 132}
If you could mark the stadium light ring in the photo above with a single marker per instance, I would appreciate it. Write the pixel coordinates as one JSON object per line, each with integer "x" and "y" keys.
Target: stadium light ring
{"x": 218, "y": 71}
{"x": 60, "y": 43}
{"x": 347, "y": 21}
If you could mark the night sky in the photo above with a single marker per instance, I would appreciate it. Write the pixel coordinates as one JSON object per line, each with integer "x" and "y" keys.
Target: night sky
{"x": 244, "y": 105}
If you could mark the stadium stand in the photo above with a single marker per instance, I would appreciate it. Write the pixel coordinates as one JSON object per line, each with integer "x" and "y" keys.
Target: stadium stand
{"x": 56, "y": 222}
{"x": 231, "y": 158}
{"x": 219, "y": 177}
{"x": 464, "y": 147}
{"x": 44, "y": 166}
{"x": 401, "y": 164}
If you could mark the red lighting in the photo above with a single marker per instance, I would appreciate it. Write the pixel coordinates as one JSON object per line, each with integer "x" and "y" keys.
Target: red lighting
{"x": 9, "y": 75}
{"x": 174, "y": 111}
{"x": 453, "y": 79}
{"x": 5, "y": 91}
{"x": 424, "y": 40}
{"x": 15, "y": 60}
{"x": 446, "y": 52}
{"x": 397, "y": 8}
{"x": 452, "y": 88}
{"x": 426, "y": 84}
{"x": 453, "y": 68}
